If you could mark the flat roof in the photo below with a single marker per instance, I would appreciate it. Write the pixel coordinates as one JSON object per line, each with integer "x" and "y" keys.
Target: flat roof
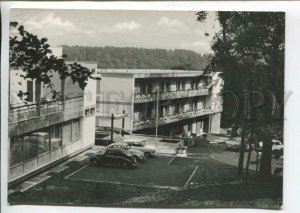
{"x": 149, "y": 73}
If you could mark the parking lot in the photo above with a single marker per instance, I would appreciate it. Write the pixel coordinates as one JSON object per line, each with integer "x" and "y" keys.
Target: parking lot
{"x": 160, "y": 172}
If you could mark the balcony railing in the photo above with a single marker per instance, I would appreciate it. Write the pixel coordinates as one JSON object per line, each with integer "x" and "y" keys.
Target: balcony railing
{"x": 25, "y": 112}
{"x": 138, "y": 124}
{"x": 139, "y": 98}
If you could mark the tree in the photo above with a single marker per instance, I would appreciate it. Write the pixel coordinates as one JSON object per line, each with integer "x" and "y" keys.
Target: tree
{"x": 249, "y": 50}
{"x": 33, "y": 56}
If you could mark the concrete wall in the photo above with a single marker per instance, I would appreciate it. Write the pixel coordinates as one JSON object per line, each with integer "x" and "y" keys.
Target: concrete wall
{"x": 116, "y": 95}
{"x": 88, "y": 121}
{"x": 215, "y": 123}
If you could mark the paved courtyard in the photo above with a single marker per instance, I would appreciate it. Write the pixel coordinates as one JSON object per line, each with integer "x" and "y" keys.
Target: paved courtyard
{"x": 160, "y": 172}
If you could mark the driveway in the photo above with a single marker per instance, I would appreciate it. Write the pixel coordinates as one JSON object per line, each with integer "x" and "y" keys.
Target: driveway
{"x": 232, "y": 158}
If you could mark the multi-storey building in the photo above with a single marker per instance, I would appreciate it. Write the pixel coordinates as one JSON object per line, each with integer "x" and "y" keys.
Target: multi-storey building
{"x": 179, "y": 101}
{"x": 44, "y": 131}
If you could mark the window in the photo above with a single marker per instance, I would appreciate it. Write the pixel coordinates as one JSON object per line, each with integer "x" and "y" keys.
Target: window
{"x": 192, "y": 85}
{"x": 87, "y": 112}
{"x": 110, "y": 152}
{"x": 44, "y": 140}
{"x": 183, "y": 85}
{"x": 67, "y": 133}
{"x": 30, "y": 147}
{"x": 149, "y": 88}
{"x": 98, "y": 87}
{"x": 75, "y": 131}
{"x": 161, "y": 87}
{"x": 98, "y": 104}
{"x": 168, "y": 87}
{"x": 176, "y": 109}
{"x": 178, "y": 85}
{"x": 30, "y": 91}
{"x": 16, "y": 146}
{"x": 167, "y": 109}
{"x": 55, "y": 137}
{"x": 92, "y": 111}
{"x": 143, "y": 88}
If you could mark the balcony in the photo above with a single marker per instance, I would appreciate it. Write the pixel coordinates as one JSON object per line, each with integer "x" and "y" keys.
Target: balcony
{"x": 31, "y": 116}
{"x": 165, "y": 119}
{"x": 25, "y": 112}
{"x": 140, "y": 98}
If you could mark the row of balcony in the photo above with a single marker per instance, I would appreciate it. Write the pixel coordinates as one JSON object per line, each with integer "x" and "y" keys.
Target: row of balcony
{"x": 33, "y": 110}
{"x": 165, "y": 119}
{"x": 140, "y": 98}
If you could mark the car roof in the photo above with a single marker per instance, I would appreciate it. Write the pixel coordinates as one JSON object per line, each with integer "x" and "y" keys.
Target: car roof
{"x": 118, "y": 144}
{"x": 118, "y": 149}
{"x": 134, "y": 140}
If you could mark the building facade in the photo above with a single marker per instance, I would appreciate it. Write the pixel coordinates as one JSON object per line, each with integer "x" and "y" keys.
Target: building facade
{"x": 43, "y": 134}
{"x": 180, "y": 101}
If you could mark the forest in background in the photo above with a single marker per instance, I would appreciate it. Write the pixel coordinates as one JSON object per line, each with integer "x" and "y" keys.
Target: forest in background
{"x": 138, "y": 58}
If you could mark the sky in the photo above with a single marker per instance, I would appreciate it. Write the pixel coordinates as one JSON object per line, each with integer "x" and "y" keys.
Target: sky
{"x": 147, "y": 29}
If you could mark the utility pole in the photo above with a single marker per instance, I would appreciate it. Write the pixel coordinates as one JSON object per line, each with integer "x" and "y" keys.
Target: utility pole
{"x": 156, "y": 120}
{"x": 112, "y": 128}
{"x": 123, "y": 123}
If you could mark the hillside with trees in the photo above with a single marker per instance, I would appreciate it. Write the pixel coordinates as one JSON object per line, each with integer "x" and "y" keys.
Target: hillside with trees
{"x": 137, "y": 58}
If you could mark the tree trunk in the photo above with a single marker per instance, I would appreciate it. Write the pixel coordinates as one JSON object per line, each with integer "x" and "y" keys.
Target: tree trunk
{"x": 242, "y": 153}
{"x": 265, "y": 163}
{"x": 249, "y": 156}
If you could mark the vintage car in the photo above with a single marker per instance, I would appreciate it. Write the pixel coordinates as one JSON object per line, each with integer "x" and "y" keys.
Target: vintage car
{"x": 139, "y": 144}
{"x": 114, "y": 157}
{"x": 137, "y": 154}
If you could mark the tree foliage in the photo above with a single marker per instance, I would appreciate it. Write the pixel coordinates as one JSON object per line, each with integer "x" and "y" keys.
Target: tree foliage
{"x": 249, "y": 50}
{"x": 33, "y": 56}
{"x": 138, "y": 58}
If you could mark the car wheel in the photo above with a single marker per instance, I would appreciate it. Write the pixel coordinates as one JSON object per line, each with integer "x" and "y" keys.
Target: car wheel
{"x": 94, "y": 162}
{"x": 136, "y": 158}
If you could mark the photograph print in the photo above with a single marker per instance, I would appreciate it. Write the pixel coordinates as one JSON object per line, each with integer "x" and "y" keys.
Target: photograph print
{"x": 146, "y": 109}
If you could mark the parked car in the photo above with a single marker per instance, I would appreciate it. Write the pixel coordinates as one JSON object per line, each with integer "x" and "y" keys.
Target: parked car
{"x": 234, "y": 144}
{"x": 201, "y": 139}
{"x": 277, "y": 147}
{"x": 137, "y": 154}
{"x": 138, "y": 144}
{"x": 102, "y": 138}
{"x": 114, "y": 157}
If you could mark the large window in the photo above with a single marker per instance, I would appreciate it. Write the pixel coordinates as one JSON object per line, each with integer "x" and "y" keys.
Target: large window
{"x": 30, "y": 145}
{"x": 75, "y": 131}
{"x": 36, "y": 143}
{"x": 67, "y": 133}
{"x": 55, "y": 137}
{"x": 70, "y": 132}
{"x": 16, "y": 147}
{"x": 98, "y": 87}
